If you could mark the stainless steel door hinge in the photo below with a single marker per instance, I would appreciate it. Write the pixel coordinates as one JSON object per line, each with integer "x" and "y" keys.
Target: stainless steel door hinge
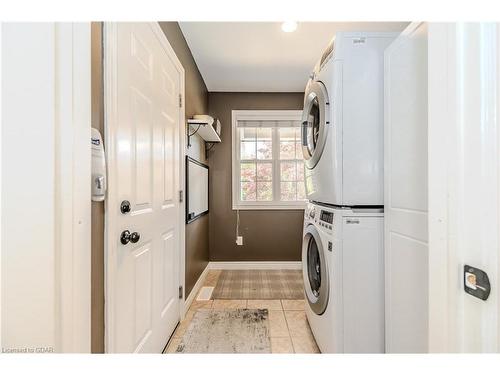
{"x": 181, "y": 196}
{"x": 180, "y": 101}
{"x": 181, "y": 292}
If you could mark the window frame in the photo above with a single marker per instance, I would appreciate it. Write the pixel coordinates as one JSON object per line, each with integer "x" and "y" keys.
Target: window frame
{"x": 260, "y": 115}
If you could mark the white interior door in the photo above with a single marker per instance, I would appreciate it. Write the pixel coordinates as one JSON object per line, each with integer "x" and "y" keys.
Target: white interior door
{"x": 405, "y": 196}
{"x": 144, "y": 81}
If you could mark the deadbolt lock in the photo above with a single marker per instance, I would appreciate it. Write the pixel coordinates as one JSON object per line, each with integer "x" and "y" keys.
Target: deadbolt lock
{"x": 125, "y": 207}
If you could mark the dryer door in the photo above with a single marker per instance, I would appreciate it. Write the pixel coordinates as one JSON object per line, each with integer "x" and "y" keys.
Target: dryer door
{"x": 315, "y": 123}
{"x": 314, "y": 270}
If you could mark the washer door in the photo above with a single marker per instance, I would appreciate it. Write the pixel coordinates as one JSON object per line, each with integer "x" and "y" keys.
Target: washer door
{"x": 315, "y": 123}
{"x": 314, "y": 270}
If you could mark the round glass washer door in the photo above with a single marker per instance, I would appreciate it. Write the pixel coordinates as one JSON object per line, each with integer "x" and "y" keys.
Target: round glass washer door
{"x": 314, "y": 270}
{"x": 315, "y": 123}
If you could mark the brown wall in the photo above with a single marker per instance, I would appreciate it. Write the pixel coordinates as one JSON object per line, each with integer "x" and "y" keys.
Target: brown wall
{"x": 97, "y": 225}
{"x": 272, "y": 235}
{"x": 196, "y": 102}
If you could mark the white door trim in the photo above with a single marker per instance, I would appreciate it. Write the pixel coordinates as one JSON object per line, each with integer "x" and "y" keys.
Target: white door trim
{"x": 110, "y": 115}
{"x": 1, "y": 174}
{"x": 464, "y": 184}
{"x": 73, "y": 210}
{"x": 439, "y": 68}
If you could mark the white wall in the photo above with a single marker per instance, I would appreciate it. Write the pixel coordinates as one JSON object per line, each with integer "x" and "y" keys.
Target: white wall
{"x": 45, "y": 289}
{"x": 28, "y": 170}
{"x": 197, "y": 149}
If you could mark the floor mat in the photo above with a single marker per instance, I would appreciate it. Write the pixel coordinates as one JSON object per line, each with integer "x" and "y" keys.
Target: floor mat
{"x": 259, "y": 284}
{"x": 227, "y": 331}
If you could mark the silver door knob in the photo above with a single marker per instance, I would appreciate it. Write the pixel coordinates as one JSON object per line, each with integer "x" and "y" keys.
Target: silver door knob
{"x": 127, "y": 237}
{"x": 135, "y": 237}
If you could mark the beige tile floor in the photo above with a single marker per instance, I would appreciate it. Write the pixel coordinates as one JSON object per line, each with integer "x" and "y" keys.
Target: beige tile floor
{"x": 289, "y": 329}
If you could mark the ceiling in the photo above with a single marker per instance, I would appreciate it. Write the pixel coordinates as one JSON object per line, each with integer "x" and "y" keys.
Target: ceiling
{"x": 259, "y": 56}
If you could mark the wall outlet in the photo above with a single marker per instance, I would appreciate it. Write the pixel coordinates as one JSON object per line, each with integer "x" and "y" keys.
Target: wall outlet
{"x": 239, "y": 240}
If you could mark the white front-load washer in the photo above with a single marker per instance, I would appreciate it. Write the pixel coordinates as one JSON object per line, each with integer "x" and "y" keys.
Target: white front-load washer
{"x": 342, "y": 122}
{"x": 343, "y": 271}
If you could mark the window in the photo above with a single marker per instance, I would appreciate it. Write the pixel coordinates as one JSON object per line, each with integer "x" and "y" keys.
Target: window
{"x": 268, "y": 170}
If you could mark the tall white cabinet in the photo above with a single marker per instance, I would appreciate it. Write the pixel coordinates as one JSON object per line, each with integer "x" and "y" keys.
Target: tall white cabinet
{"x": 405, "y": 192}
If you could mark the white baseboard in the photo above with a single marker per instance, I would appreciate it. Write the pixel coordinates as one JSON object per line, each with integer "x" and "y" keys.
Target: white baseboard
{"x": 255, "y": 265}
{"x": 196, "y": 288}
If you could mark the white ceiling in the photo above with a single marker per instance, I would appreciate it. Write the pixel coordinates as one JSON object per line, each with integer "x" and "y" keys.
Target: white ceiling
{"x": 258, "y": 56}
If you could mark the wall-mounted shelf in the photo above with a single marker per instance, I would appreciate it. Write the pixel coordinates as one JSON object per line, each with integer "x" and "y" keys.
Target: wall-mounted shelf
{"x": 204, "y": 127}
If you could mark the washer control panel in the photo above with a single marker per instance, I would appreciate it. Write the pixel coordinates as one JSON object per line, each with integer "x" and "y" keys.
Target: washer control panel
{"x": 322, "y": 217}
{"x": 326, "y": 216}
{"x": 310, "y": 212}
{"x": 326, "y": 219}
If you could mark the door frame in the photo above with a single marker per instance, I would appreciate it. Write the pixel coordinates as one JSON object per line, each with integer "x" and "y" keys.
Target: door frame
{"x": 451, "y": 153}
{"x": 110, "y": 116}
{"x": 74, "y": 106}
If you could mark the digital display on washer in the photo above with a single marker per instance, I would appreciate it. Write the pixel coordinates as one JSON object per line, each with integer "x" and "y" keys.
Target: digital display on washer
{"x": 326, "y": 216}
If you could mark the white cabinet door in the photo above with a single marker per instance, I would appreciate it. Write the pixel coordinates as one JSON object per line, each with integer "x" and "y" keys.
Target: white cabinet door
{"x": 143, "y": 87}
{"x": 363, "y": 278}
{"x": 405, "y": 196}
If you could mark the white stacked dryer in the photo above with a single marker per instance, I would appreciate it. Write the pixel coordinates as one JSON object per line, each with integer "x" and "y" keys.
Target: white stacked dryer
{"x": 343, "y": 122}
{"x": 342, "y": 143}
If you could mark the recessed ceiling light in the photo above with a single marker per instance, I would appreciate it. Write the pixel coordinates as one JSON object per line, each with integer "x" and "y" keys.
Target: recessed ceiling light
{"x": 289, "y": 26}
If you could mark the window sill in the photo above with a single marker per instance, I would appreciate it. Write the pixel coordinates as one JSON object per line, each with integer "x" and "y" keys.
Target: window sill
{"x": 270, "y": 207}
